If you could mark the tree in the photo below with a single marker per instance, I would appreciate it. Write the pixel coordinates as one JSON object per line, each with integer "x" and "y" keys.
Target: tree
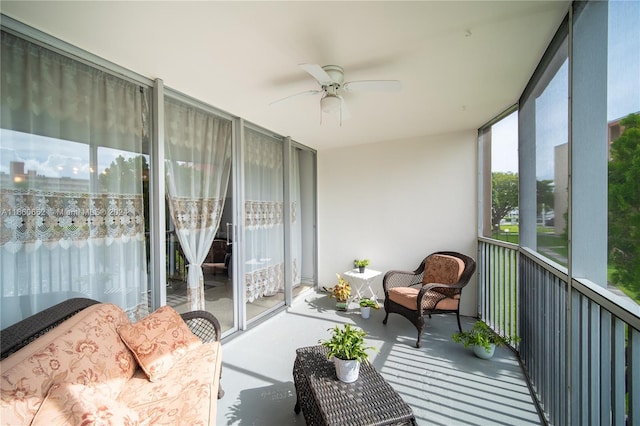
{"x": 544, "y": 194}
{"x": 545, "y": 200}
{"x": 504, "y": 196}
{"x": 128, "y": 176}
{"x": 624, "y": 206}
{"x": 124, "y": 176}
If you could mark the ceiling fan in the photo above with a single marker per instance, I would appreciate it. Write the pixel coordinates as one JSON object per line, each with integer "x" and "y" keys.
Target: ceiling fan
{"x": 331, "y": 81}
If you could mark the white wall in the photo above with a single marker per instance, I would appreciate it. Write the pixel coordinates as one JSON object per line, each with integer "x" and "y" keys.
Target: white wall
{"x": 396, "y": 202}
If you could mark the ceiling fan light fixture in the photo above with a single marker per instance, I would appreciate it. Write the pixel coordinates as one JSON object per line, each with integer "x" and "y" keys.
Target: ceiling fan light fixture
{"x": 330, "y": 103}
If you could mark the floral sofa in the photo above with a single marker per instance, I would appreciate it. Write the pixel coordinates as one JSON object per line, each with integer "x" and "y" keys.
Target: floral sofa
{"x": 96, "y": 367}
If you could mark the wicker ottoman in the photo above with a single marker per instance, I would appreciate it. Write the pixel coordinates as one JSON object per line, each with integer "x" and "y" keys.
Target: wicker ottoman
{"x": 325, "y": 400}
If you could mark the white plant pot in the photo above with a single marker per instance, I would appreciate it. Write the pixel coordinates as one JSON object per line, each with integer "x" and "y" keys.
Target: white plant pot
{"x": 481, "y": 352}
{"x": 365, "y": 311}
{"x": 347, "y": 370}
{"x": 342, "y": 306}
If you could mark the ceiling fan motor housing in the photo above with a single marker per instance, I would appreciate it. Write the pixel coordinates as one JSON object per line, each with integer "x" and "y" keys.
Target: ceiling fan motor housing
{"x": 336, "y": 73}
{"x": 331, "y": 80}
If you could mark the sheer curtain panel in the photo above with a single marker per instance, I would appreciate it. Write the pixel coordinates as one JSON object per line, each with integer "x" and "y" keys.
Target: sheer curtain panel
{"x": 72, "y": 171}
{"x": 197, "y": 165}
{"x": 296, "y": 219}
{"x": 264, "y": 218}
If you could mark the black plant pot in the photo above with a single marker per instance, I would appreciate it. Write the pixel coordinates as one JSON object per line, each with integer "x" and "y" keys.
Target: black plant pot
{"x": 361, "y": 268}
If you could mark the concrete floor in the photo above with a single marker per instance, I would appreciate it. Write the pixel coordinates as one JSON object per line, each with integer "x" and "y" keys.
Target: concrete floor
{"x": 218, "y": 295}
{"x": 444, "y": 383}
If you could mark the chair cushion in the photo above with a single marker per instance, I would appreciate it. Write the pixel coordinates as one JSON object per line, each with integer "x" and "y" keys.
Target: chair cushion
{"x": 75, "y": 403}
{"x": 408, "y": 297}
{"x": 164, "y": 402}
{"x": 158, "y": 340}
{"x": 83, "y": 349}
{"x": 442, "y": 269}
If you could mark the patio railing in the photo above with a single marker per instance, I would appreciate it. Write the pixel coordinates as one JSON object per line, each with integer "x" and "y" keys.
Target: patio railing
{"x": 580, "y": 343}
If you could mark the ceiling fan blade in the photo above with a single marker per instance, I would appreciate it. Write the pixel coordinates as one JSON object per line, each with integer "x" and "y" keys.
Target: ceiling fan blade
{"x": 308, "y": 92}
{"x": 318, "y": 73}
{"x": 372, "y": 86}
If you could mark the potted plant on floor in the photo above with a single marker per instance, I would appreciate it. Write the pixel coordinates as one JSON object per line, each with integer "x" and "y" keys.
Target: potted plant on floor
{"x": 482, "y": 339}
{"x": 361, "y": 264}
{"x": 366, "y": 305}
{"x": 341, "y": 291}
{"x": 348, "y": 349}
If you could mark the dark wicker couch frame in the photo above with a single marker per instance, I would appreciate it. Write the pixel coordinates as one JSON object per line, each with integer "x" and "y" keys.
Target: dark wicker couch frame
{"x": 408, "y": 279}
{"x": 203, "y": 324}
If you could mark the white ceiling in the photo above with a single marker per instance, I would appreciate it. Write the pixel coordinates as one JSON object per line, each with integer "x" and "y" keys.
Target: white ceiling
{"x": 460, "y": 62}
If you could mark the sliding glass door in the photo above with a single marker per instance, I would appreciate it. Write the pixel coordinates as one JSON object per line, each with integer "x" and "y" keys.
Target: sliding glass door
{"x": 263, "y": 261}
{"x": 74, "y": 144}
{"x": 106, "y": 190}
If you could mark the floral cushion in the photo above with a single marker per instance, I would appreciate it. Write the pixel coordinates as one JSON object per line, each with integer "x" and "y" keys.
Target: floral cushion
{"x": 84, "y": 349}
{"x": 442, "y": 269}
{"x": 159, "y": 340}
{"x": 185, "y": 396}
{"x": 77, "y": 404}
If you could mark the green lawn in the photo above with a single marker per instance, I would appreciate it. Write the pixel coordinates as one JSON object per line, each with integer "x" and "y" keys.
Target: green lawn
{"x": 632, "y": 293}
{"x": 549, "y": 244}
{"x": 508, "y": 233}
{"x": 555, "y": 248}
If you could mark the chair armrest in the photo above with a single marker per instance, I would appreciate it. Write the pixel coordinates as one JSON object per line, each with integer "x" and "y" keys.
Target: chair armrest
{"x": 431, "y": 286}
{"x": 203, "y": 324}
{"x": 425, "y": 288}
{"x": 401, "y": 279}
{"x": 20, "y": 334}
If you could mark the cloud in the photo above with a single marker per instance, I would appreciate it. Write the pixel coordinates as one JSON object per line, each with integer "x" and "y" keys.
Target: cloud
{"x": 58, "y": 165}
{"x": 47, "y": 156}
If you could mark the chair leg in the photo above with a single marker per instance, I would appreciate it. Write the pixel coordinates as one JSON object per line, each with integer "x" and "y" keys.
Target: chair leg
{"x": 458, "y": 317}
{"x": 419, "y": 341}
{"x": 386, "y": 317}
{"x": 420, "y": 326}
{"x": 220, "y": 390}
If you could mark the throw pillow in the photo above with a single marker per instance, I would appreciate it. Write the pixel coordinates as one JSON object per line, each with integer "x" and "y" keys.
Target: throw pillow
{"x": 158, "y": 341}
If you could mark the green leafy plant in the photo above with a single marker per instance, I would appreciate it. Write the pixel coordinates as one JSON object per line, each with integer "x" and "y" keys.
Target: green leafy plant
{"x": 481, "y": 335}
{"x": 341, "y": 291}
{"x": 361, "y": 263}
{"x": 347, "y": 343}
{"x": 369, "y": 303}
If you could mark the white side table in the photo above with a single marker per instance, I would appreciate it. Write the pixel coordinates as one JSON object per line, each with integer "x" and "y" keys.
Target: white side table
{"x": 363, "y": 279}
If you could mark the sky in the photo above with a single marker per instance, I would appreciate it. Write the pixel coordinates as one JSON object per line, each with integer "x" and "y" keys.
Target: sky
{"x": 623, "y": 96}
{"x": 504, "y": 144}
{"x": 623, "y": 71}
{"x": 51, "y": 157}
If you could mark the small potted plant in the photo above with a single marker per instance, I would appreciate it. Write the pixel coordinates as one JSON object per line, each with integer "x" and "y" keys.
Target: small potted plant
{"x": 341, "y": 291}
{"x": 366, "y": 305}
{"x": 348, "y": 349}
{"x": 482, "y": 339}
{"x": 361, "y": 264}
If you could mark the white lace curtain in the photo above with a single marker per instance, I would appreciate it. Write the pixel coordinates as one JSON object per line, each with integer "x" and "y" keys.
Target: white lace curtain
{"x": 71, "y": 183}
{"x": 296, "y": 222}
{"x": 264, "y": 218}
{"x": 197, "y": 165}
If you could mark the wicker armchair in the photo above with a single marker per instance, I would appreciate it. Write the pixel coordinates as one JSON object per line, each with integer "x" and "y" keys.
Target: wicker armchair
{"x": 434, "y": 287}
